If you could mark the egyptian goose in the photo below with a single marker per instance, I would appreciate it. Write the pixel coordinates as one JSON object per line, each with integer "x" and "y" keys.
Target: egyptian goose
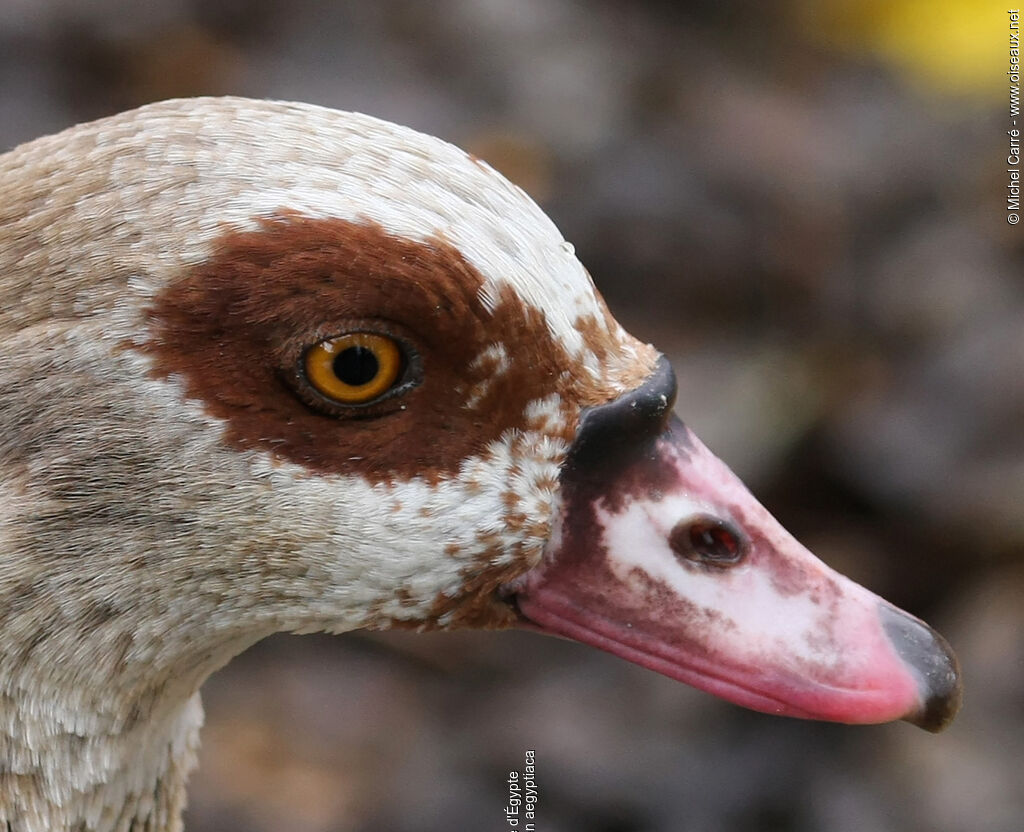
{"x": 270, "y": 367}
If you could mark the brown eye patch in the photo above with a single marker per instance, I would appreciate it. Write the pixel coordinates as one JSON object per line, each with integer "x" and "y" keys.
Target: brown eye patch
{"x": 234, "y": 326}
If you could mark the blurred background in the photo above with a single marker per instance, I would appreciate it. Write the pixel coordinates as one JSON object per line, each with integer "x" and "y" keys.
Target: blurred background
{"x": 803, "y": 204}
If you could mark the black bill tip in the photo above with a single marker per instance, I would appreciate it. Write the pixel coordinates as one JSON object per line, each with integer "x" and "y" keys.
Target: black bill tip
{"x": 934, "y": 664}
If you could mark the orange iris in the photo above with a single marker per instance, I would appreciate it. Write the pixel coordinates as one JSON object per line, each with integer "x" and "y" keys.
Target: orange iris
{"x": 355, "y": 368}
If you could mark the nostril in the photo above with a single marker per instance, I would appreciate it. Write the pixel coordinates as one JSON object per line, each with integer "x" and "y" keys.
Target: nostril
{"x": 708, "y": 540}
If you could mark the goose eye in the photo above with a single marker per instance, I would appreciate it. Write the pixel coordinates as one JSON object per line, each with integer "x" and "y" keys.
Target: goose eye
{"x": 355, "y": 368}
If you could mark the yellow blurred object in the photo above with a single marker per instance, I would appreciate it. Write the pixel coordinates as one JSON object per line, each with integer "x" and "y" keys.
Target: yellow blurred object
{"x": 951, "y": 46}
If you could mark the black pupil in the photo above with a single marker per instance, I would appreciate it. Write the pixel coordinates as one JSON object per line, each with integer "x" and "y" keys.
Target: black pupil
{"x": 714, "y": 542}
{"x": 356, "y": 366}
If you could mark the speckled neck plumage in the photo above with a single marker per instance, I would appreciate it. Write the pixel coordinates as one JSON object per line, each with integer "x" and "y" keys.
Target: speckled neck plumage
{"x": 78, "y": 771}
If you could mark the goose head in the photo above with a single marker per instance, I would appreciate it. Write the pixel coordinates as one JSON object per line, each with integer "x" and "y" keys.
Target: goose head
{"x": 270, "y": 367}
